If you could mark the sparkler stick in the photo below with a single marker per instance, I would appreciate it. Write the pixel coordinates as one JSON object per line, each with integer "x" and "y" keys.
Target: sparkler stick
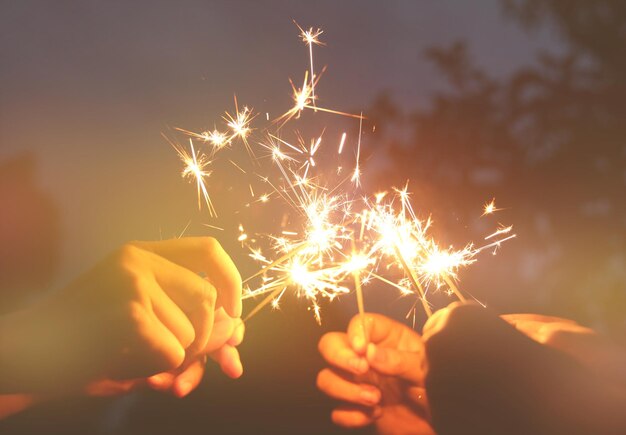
{"x": 356, "y": 176}
{"x": 411, "y": 274}
{"x": 278, "y": 261}
{"x": 359, "y": 301}
{"x": 453, "y": 287}
{"x": 335, "y": 112}
{"x": 356, "y": 274}
{"x": 262, "y": 304}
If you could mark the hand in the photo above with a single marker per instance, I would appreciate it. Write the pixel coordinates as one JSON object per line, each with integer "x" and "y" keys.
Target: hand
{"x": 377, "y": 375}
{"x": 226, "y": 335}
{"x": 585, "y": 345}
{"x": 545, "y": 375}
{"x": 143, "y": 310}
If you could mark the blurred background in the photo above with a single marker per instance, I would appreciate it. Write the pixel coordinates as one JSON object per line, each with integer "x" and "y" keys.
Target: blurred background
{"x": 521, "y": 100}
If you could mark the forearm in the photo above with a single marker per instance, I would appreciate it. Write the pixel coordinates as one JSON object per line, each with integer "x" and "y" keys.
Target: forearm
{"x": 32, "y": 353}
{"x": 13, "y": 403}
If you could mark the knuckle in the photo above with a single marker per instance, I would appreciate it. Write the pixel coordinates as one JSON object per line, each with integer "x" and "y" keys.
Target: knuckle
{"x": 136, "y": 286}
{"x": 349, "y": 419}
{"x": 209, "y": 244}
{"x": 207, "y": 295}
{"x": 237, "y": 282}
{"x": 552, "y": 336}
{"x": 136, "y": 317}
{"x": 322, "y": 380}
{"x": 322, "y": 343}
{"x": 457, "y": 317}
{"x": 355, "y": 322}
{"x": 458, "y": 309}
{"x": 174, "y": 358}
{"x": 128, "y": 254}
{"x": 188, "y": 337}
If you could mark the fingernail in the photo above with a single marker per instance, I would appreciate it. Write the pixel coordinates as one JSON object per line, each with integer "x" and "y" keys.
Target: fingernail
{"x": 237, "y": 369}
{"x": 183, "y": 388}
{"x": 371, "y": 397}
{"x": 359, "y": 365}
{"x": 358, "y": 343}
{"x": 375, "y": 354}
{"x": 156, "y": 380}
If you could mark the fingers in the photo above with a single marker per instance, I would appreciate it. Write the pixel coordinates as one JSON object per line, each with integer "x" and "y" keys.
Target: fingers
{"x": 161, "y": 381}
{"x": 229, "y": 361}
{"x": 204, "y": 255}
{"x": 517, "y": 318}
{"x": 397, "y": 363}
{"x": 353, "y": 417}
{"x": 393, "y": 350}
{"x": 151, "y": 347}
{"x": 109, "y": 387}
{"x": 545, "y": 329}
{"x": 172, "y": 317}
{"x": 170, "y": 353}
{"x": 189, "y": 379}
{"x": 335, "y": 349}
{"x": 222, "y": 349}
{"x": 238, "y": 333}
{"x": 179, "y": 382}
{"x": 226, "y": 330}
{"x": 378, "y": 329}
{"x": 341, "y": 388}
{"x": 457, "y": 313}
{"x": 193, "y": 294}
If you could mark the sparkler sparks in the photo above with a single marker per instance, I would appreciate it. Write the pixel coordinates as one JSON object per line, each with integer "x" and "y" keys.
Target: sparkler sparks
{"x": 311, "y": 37}
{"x": 239, "y": 124}
{"x": 314, "y": 254}
{"x": 196, "y": 169}
{"x": 490, "y": 207}
{"x": 215, "y": 138}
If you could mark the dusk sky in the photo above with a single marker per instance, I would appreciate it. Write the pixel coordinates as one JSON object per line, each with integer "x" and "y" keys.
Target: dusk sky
{"x": 87, "y": 87}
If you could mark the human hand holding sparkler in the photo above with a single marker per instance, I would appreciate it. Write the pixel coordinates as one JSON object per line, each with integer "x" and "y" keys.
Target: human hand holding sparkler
{"x": 141, "y": 311}
{"x": 481, "y": 375}
{"x": 545, "y": 375}
{"x": 377, "y": 374}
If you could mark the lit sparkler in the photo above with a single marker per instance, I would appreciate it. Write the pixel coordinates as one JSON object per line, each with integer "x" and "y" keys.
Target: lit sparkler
{"x": 319, "y": 258}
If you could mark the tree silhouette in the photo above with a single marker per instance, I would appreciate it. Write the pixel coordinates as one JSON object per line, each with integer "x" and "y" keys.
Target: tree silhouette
{"x": 549, "y": 141}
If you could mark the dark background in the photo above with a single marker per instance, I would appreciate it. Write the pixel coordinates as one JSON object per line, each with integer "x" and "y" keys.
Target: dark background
{"x": 518, "y": 100}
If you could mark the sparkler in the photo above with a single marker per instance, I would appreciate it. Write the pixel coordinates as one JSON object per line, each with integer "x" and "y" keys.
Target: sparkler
{"x": 319, "y": 259}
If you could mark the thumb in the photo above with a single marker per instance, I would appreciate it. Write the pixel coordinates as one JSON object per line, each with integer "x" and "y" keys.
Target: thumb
{"x": 405, "y": 365}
